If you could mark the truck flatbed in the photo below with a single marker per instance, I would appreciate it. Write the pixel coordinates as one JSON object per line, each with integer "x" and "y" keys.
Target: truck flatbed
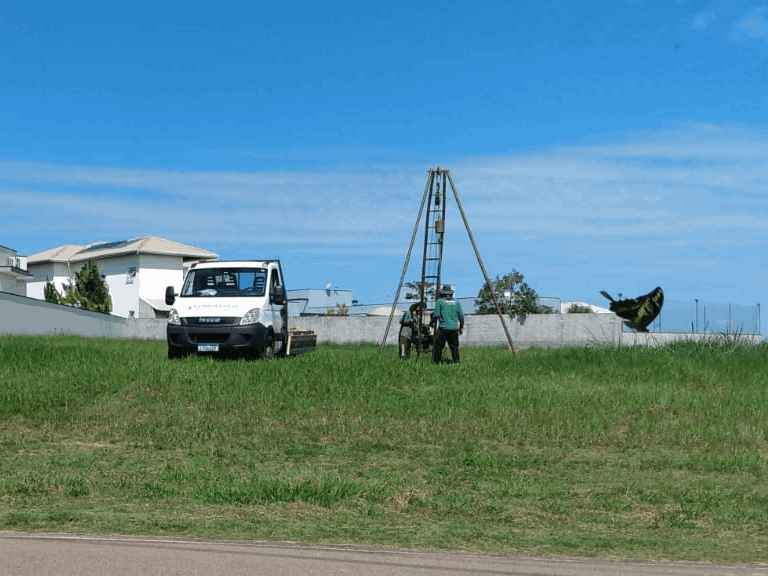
{"x": 300, "y": 341}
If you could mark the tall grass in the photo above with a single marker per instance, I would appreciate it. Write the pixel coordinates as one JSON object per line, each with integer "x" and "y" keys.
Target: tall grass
{"x": 628, "y": 452}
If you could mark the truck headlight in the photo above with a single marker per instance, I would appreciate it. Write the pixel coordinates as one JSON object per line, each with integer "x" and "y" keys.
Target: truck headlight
{"x": 251, "y": 317}
{"x": 173, "y": 317}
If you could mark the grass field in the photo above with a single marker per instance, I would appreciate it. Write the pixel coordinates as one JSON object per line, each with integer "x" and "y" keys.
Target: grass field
{"x": 613, "y": 452}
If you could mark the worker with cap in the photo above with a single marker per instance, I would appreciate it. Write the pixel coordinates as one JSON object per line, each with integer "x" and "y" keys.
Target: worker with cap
{"x": 409, "y": 328}
{"x": 450, "y": 323}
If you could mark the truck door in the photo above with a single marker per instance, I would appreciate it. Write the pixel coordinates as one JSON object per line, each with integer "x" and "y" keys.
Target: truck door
{"x": 279, "y": 310}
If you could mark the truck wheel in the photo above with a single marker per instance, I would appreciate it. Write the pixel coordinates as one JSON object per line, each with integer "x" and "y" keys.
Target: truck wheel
{"x": 173, "y": 353}
{"x": 268, "y": 351}
{"x": 284, "y": 347}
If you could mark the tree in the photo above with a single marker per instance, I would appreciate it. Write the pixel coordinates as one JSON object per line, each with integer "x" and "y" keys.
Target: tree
{"x": 513, "y": 295}
{"x": 340, "y": 310}
{"x": 415, "y": 289}
{"x": 576, "y": 308}
{"x": 51, "y": 294}
{"x": 89, "y": 291}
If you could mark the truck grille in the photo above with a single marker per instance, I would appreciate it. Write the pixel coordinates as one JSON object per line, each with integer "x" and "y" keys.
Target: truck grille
{"x": 213, "y": 322}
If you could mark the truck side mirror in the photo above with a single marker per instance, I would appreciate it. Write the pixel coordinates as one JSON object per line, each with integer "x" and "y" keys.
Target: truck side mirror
{"x": 170, "y": 297}
{"x": 278, "y": 296}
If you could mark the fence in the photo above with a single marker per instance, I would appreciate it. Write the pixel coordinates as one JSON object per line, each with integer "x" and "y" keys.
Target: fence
{"x": 299, "y": 308}
{"x": 685, "y": 316}
{"x": 694, "y": 316}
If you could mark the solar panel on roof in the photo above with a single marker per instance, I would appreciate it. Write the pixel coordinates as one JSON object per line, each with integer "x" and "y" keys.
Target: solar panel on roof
{"x": 108, "y": 245}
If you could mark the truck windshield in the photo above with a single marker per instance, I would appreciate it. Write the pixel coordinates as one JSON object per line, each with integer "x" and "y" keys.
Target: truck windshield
{"x": 225, "y": 282}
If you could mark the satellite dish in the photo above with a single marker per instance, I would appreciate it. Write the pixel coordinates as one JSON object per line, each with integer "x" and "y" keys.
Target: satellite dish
{"x": 328, "y": 286}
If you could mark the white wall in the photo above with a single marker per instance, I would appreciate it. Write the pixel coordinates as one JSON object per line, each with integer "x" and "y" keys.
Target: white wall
{"x": 123, "y": 290}
{"x": 6, "y": 253}
{"x": 153, "y": 273}
{"x": 157, "y": 272}
{"x": 536, "y": 330}
{"x": 56, "y": 272}
{"x": 10, "y": 264}
{"x": 8, "y": 283}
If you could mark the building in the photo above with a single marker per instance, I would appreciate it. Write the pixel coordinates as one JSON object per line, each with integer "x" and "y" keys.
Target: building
{"x": 566, "y": 306}
{"x": 13, "y": 272}
{"x": 136, "y": 271}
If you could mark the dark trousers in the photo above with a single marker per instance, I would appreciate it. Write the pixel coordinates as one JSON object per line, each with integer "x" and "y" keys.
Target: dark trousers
{"x": 405, "y": 347}
{"x": 443, "y": 336}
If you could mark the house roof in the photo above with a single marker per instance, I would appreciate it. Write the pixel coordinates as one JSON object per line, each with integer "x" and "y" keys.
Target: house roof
{"x": 60, "y": 254}
{"x": 142, "y": 245}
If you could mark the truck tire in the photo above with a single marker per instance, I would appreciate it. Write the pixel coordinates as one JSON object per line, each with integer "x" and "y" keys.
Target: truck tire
{"x": 174, "y": 354}
{"x": 268, "y": 350}
{"x": 284, "y": 347}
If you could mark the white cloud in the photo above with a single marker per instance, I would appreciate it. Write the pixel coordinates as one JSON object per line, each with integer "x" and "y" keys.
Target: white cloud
{"x": 649, "y": 199}
{"x": 644, "y": 187}
{"x": 754, "y": 24}
{"x": 649, "y": 185}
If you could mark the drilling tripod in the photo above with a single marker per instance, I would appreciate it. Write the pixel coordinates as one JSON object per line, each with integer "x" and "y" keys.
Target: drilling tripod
{"x": 435, "y": 199}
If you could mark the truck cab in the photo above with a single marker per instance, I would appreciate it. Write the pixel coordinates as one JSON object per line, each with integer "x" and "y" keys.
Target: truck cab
{"x": 231, "y": 308}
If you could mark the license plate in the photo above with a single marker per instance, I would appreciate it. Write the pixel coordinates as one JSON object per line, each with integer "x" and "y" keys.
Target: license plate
{"x": 207, "y": 347}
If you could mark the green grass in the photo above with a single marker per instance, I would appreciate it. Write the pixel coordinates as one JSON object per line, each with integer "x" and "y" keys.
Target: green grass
{"x": 629, "y": 452}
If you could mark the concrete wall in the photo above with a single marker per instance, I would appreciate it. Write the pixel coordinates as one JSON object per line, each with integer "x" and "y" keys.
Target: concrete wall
{"x": 544, "y": 330}
{"x": 22, "y": 315}
{"x": 540, "y": 330}
{"x": 146, "y": 328}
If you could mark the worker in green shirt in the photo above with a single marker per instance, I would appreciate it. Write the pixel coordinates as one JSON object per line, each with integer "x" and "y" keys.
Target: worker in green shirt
{"x": 450, "y": 319}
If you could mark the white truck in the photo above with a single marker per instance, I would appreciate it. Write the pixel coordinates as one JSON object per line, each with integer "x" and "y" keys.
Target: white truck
{"x": 233, "y": 308}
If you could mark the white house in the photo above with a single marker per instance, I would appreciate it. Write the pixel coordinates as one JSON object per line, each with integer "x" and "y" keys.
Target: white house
{"x": 136, "y": 271}
{"x": 13, "y": 272}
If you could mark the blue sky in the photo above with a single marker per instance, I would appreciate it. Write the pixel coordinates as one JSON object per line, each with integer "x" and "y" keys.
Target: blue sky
{"x": 595, "y": 145}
